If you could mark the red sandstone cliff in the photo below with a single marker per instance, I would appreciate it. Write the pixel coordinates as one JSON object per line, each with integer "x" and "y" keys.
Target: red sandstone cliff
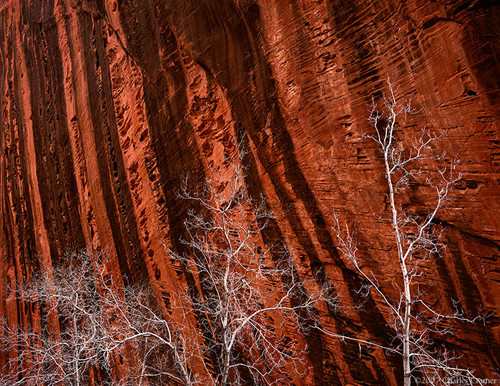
{"x": 106, "y": 104}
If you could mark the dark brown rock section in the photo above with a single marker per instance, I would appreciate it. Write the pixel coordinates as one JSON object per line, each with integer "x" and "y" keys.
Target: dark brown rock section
{"x": 107, "y": 104}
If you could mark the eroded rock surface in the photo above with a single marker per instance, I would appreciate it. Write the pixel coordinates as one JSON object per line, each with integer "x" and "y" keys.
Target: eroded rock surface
{"x": 107, "y": 104}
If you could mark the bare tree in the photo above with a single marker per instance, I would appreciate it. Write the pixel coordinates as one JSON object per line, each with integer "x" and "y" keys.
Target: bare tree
{"x": 62, "y": 356}
{"x": 415, "y": 321}
{"x": 99, "y": 322}
{"x": 242, "y": 296}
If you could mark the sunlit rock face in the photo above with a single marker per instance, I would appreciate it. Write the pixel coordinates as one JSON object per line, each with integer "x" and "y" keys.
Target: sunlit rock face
{"x": 106, "y": 105}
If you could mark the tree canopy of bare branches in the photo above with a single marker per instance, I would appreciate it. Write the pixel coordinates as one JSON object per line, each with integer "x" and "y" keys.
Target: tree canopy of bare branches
{"x": 229, "y": 328}
{"x": 242, "y": 295}
{"x": 90, "y": 325}
{"x": 415, "y": 321}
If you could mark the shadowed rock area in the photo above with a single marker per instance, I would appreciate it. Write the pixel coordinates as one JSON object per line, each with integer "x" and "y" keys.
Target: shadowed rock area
{"x": 106, "y": 105}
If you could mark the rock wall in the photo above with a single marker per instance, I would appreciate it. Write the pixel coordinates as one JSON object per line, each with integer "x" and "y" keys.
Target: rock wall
{"x": 107, "y": 104}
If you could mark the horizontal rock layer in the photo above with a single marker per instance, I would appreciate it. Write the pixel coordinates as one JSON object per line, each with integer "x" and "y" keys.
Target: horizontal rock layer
{"x": 107, "y": 104}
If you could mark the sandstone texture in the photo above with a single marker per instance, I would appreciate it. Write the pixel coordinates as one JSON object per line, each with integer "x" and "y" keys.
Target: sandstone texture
{"x": 107, "y": 104}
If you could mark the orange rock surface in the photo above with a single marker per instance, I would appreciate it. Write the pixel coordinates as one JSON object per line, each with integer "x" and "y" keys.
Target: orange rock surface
{"x": 107, "y": 104}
